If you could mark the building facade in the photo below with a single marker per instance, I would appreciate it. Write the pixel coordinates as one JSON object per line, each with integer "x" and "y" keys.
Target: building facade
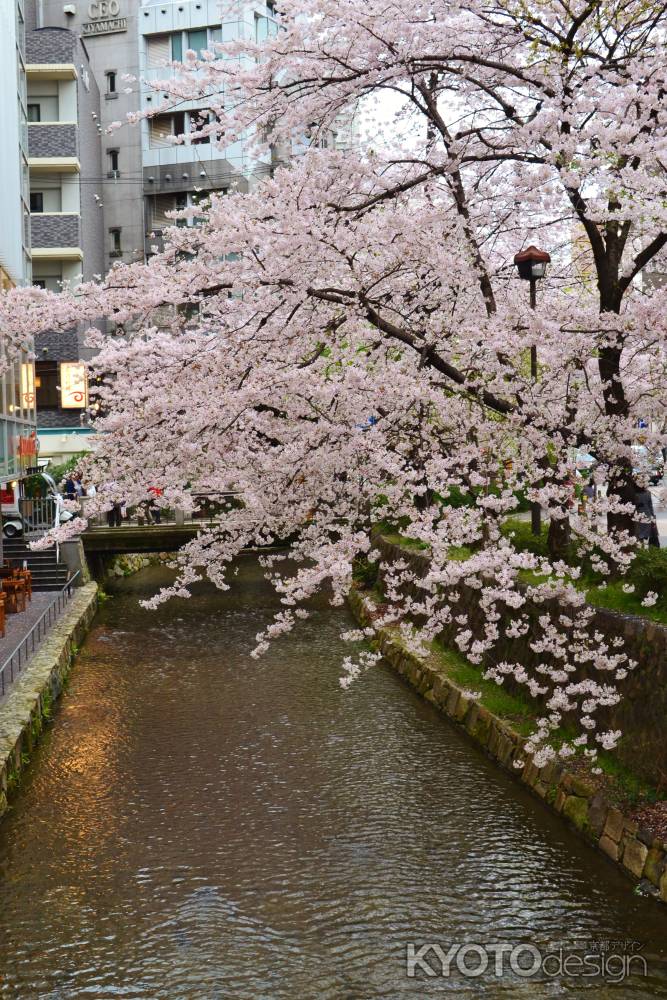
{"x": 15, "y": 229}
{"x": 66, "y": 216}
{"x": 144, "y": 175}
{"x": 18, "y": 443}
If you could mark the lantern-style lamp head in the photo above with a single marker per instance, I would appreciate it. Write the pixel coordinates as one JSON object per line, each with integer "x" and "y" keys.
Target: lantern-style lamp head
{"x": 532, "y": 263}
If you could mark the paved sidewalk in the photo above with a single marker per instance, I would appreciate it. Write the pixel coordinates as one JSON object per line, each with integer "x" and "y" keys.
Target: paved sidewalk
{"x": 18, "y": 627}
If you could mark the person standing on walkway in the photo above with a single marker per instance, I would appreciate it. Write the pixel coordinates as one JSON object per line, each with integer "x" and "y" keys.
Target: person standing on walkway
{"x": 646, "y": 530}
{"x": 115, "y": 516}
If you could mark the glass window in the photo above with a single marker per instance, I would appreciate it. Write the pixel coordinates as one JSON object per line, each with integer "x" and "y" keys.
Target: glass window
{"x": 34, "y": 113}
{"x": 215, "y": 34}
{"x": 47, "y": 384}
{"x": 113, "y": 160}
{"x": 177, "y": 46}
{"x": 197, "y": 40}
{"x": 115, "y": 241}
{"x": 197, "y": 120}
{"x": 111, "y": 82}
{"x": 36, "y": 201}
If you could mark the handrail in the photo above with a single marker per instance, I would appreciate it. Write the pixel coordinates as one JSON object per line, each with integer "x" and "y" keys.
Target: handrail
{"x": 38, "y": 631}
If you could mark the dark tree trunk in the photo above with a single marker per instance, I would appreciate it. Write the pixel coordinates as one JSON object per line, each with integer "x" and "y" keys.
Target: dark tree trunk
{"x": 558, "y": 538}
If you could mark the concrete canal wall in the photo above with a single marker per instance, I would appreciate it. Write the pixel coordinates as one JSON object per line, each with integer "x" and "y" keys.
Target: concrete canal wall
{"x": 641, "y": 714}
{"x": 29, "y": 702}
{"x": 640, "y": 855}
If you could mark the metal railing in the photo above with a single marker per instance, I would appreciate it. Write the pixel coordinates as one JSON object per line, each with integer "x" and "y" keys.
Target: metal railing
{"x": 27, "y": 646}
{"x": 38, "y": 516}
{"x": 209, "y": 509}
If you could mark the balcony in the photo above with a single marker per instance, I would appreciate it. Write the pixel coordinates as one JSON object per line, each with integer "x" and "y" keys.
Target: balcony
{"x": 56, "y": 235}
{"x": 52, "y": 139}
{"x": 53, "y": 47}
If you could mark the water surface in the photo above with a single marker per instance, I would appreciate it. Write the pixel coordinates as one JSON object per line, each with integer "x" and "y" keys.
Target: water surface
{"x": 199, "y": 825}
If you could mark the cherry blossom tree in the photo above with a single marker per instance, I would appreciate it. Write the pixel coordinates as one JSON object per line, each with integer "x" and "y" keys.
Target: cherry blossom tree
{"x": 347, "y": 343}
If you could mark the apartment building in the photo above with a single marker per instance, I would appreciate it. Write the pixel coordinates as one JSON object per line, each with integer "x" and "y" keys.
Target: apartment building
{"x": 66, "y": 218}
{"x": 144, "y": 175}
{"x": 175, "y": 176}
{"x": 15, "y": 229}
{"x": 18, "y": 444}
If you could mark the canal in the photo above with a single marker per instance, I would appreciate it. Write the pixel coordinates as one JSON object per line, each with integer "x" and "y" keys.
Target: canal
{"x": 199, "y": 825}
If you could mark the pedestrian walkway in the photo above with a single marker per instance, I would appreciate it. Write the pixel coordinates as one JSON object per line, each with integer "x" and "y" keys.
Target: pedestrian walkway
{"x": 17, "y": 628}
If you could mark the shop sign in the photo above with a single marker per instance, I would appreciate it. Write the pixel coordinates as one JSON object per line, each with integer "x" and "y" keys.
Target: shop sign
{"x": 73, "y": 385}
{"x": 104, "y": 18}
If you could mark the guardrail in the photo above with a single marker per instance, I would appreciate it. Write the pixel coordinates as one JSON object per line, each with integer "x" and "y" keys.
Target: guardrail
{"x": 14, "y": 663}
{"x": 209, "y": 509}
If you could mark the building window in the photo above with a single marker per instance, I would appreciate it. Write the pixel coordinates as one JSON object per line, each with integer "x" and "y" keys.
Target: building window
{"x": 46, "y": 384}
{"x": 197, "y": 120}
{"x": 198, "y": 40}
{"x": 34, "y": 113}
{"x": 114, "y": 169}
{"x": 116, "y": 250}
{"x": 36, "y": 201}
{"x": 161, "y": 127}
{"x": 111, "y": 76}
{"x": 177, "y": 47}
{"x": 39, "y": 282}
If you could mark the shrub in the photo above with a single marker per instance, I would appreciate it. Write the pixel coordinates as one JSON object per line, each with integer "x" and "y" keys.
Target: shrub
{"x": 364, "y": 572}
{"x": 649, "y": 572}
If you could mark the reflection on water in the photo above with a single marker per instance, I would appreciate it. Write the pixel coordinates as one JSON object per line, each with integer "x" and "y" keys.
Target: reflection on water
{"x": 200, "y": 825}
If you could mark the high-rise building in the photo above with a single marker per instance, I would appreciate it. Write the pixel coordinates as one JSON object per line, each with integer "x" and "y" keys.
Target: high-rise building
{"x": 66, "y": 218}
{"x": 144, "y": 175}
{"x": 18, "y": 442}
{"x": 15, "y": 229}
{"x": 176, "y": 175}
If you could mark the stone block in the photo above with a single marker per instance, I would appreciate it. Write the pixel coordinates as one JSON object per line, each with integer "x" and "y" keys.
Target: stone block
{"x": 634, "y": 856}
{"x": 462, "y": 706}
{"x": 529, "y": 774}
{"x": 577, "y": 786}
{"x": 645, "y": 835}
{"x": 663, "y": 888}
{"x": 597, "y": 814}
{"x": 559, "y": 801}
{"x": 654, "y": 866}
{"x": 613, "y": 828}
{"x": 483, "y": 725}
{"x": 575, "y": 809}
{"x": 505, "y": 750}
{"x": 610, "y": 848}
{"x": 471, "y": 717}
{"x": 453, "y": 701}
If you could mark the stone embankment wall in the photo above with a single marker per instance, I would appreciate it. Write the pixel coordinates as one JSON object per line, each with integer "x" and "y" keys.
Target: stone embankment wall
{"x": 133, "y": 562}
{"x": 641, "y": 715}
{"x": 640, "y": 855}
{"x": 29, "y": 702}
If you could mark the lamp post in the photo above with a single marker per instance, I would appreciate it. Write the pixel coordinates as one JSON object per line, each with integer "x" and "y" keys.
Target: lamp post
{"x": 532, "y": 265}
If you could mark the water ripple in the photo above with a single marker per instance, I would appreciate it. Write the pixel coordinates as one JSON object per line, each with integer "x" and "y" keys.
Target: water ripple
{"x": 197, "y": 826}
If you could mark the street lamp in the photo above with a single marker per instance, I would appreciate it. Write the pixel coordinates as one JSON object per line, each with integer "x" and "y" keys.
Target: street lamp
{"x": 532, "y": 265}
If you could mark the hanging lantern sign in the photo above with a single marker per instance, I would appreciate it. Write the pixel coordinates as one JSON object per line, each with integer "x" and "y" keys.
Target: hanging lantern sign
{"x": 73, "y": 385}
